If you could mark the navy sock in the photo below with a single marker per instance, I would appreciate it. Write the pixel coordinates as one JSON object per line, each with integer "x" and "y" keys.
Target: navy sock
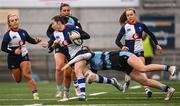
{"x": 104, "y": 80}
{"x": 165, "y": 88}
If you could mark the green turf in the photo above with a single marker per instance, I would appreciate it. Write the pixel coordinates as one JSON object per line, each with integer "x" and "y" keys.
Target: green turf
{"x": 12, "y": 93}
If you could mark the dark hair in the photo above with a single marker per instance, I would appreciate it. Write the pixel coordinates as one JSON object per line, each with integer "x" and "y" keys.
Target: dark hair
{"x": 63, "y": 5}
{"x": 123, "y": 17}
{"x": 62, "y": 19}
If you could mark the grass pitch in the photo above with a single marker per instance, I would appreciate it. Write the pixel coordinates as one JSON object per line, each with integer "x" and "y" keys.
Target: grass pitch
{"x": 12, "y": 93}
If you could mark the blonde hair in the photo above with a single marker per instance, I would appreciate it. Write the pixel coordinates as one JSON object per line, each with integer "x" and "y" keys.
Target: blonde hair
{"x": 123, "y": 17}
{"x": 8, "y": 17}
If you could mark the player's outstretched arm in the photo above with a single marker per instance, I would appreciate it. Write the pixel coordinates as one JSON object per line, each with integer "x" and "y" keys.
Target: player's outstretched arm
{"x": 85, "y": 56}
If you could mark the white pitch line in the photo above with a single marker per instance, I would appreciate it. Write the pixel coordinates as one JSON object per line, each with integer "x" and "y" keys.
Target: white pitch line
{"x": 75, "y": 97}
{"x": 92, "y": 94}
{"x": 26, "y": 99}
{"x": 88, "y": 98}
{"x": 134, "y": 97}
{"x": 130, "y": 98}
{"x": 99, "y": 93}
{"x": 34, "y": 105}
{"x": 63, "y": 100}
{"x": 153, "y": 93}
{"x": 135, "y": 87}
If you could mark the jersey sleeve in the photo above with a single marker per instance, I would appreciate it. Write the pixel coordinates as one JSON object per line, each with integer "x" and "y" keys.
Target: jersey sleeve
{"x": 49, "y": 31}
{"x": 85, "y": 56}
{"x": 51, "y": 40}
{"x": 29, "y": 38}
{"x": 76, "y": 22}
{"x": 122, "y": 31}
{"x": 5, "y": 42}
{"x": 119, "y": 37}
{"x": 150, "y": 34}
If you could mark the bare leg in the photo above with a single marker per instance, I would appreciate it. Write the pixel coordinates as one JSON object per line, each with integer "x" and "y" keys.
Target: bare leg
{"x": 93, "y": 77}
{"x": 75, "y": 83}
{"x": 138, "y": 65}
{"x": 127, "y": 79}
{"x": 60, "y": 60}
{"x": 67, "y": 82}
{"x": 139, "y": 77}
{"x": 146, "y": 88}
{"x": 26, "y": 67}
{"x": 79, "y": 69}
{"x": 16, "y": 74}
{"x": 140, "y": 62}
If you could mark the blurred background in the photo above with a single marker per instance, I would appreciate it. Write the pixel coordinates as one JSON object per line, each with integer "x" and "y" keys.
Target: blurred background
{"x": 100, "y": 19}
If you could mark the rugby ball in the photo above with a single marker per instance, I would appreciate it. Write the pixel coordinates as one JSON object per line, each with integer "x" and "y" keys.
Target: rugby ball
{"x": 77, "y": 42}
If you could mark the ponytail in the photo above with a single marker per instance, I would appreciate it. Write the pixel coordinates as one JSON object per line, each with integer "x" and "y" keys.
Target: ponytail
{"x": 123, "y": 18}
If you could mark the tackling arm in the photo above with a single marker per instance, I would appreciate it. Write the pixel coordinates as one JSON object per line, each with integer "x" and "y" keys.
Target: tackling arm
{"x": 85, "y": 56}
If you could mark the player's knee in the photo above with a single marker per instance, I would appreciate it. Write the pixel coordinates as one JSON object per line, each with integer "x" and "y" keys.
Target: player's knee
{"x": 58, "y": 68}
{"x": 145, "y": 82}
{"x": 91, "y": 78}
{"x": 18, "y": 80}
{"x": 16, "y": 74}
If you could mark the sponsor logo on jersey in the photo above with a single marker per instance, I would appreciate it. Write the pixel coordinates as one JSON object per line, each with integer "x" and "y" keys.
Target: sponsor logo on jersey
{"x": 14, "y": 37}
{"x": 129, "y": 29}
{"x": 140, "y": 28}
{"x": 24, "y": 34}
{"x": 57, "y": 37}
